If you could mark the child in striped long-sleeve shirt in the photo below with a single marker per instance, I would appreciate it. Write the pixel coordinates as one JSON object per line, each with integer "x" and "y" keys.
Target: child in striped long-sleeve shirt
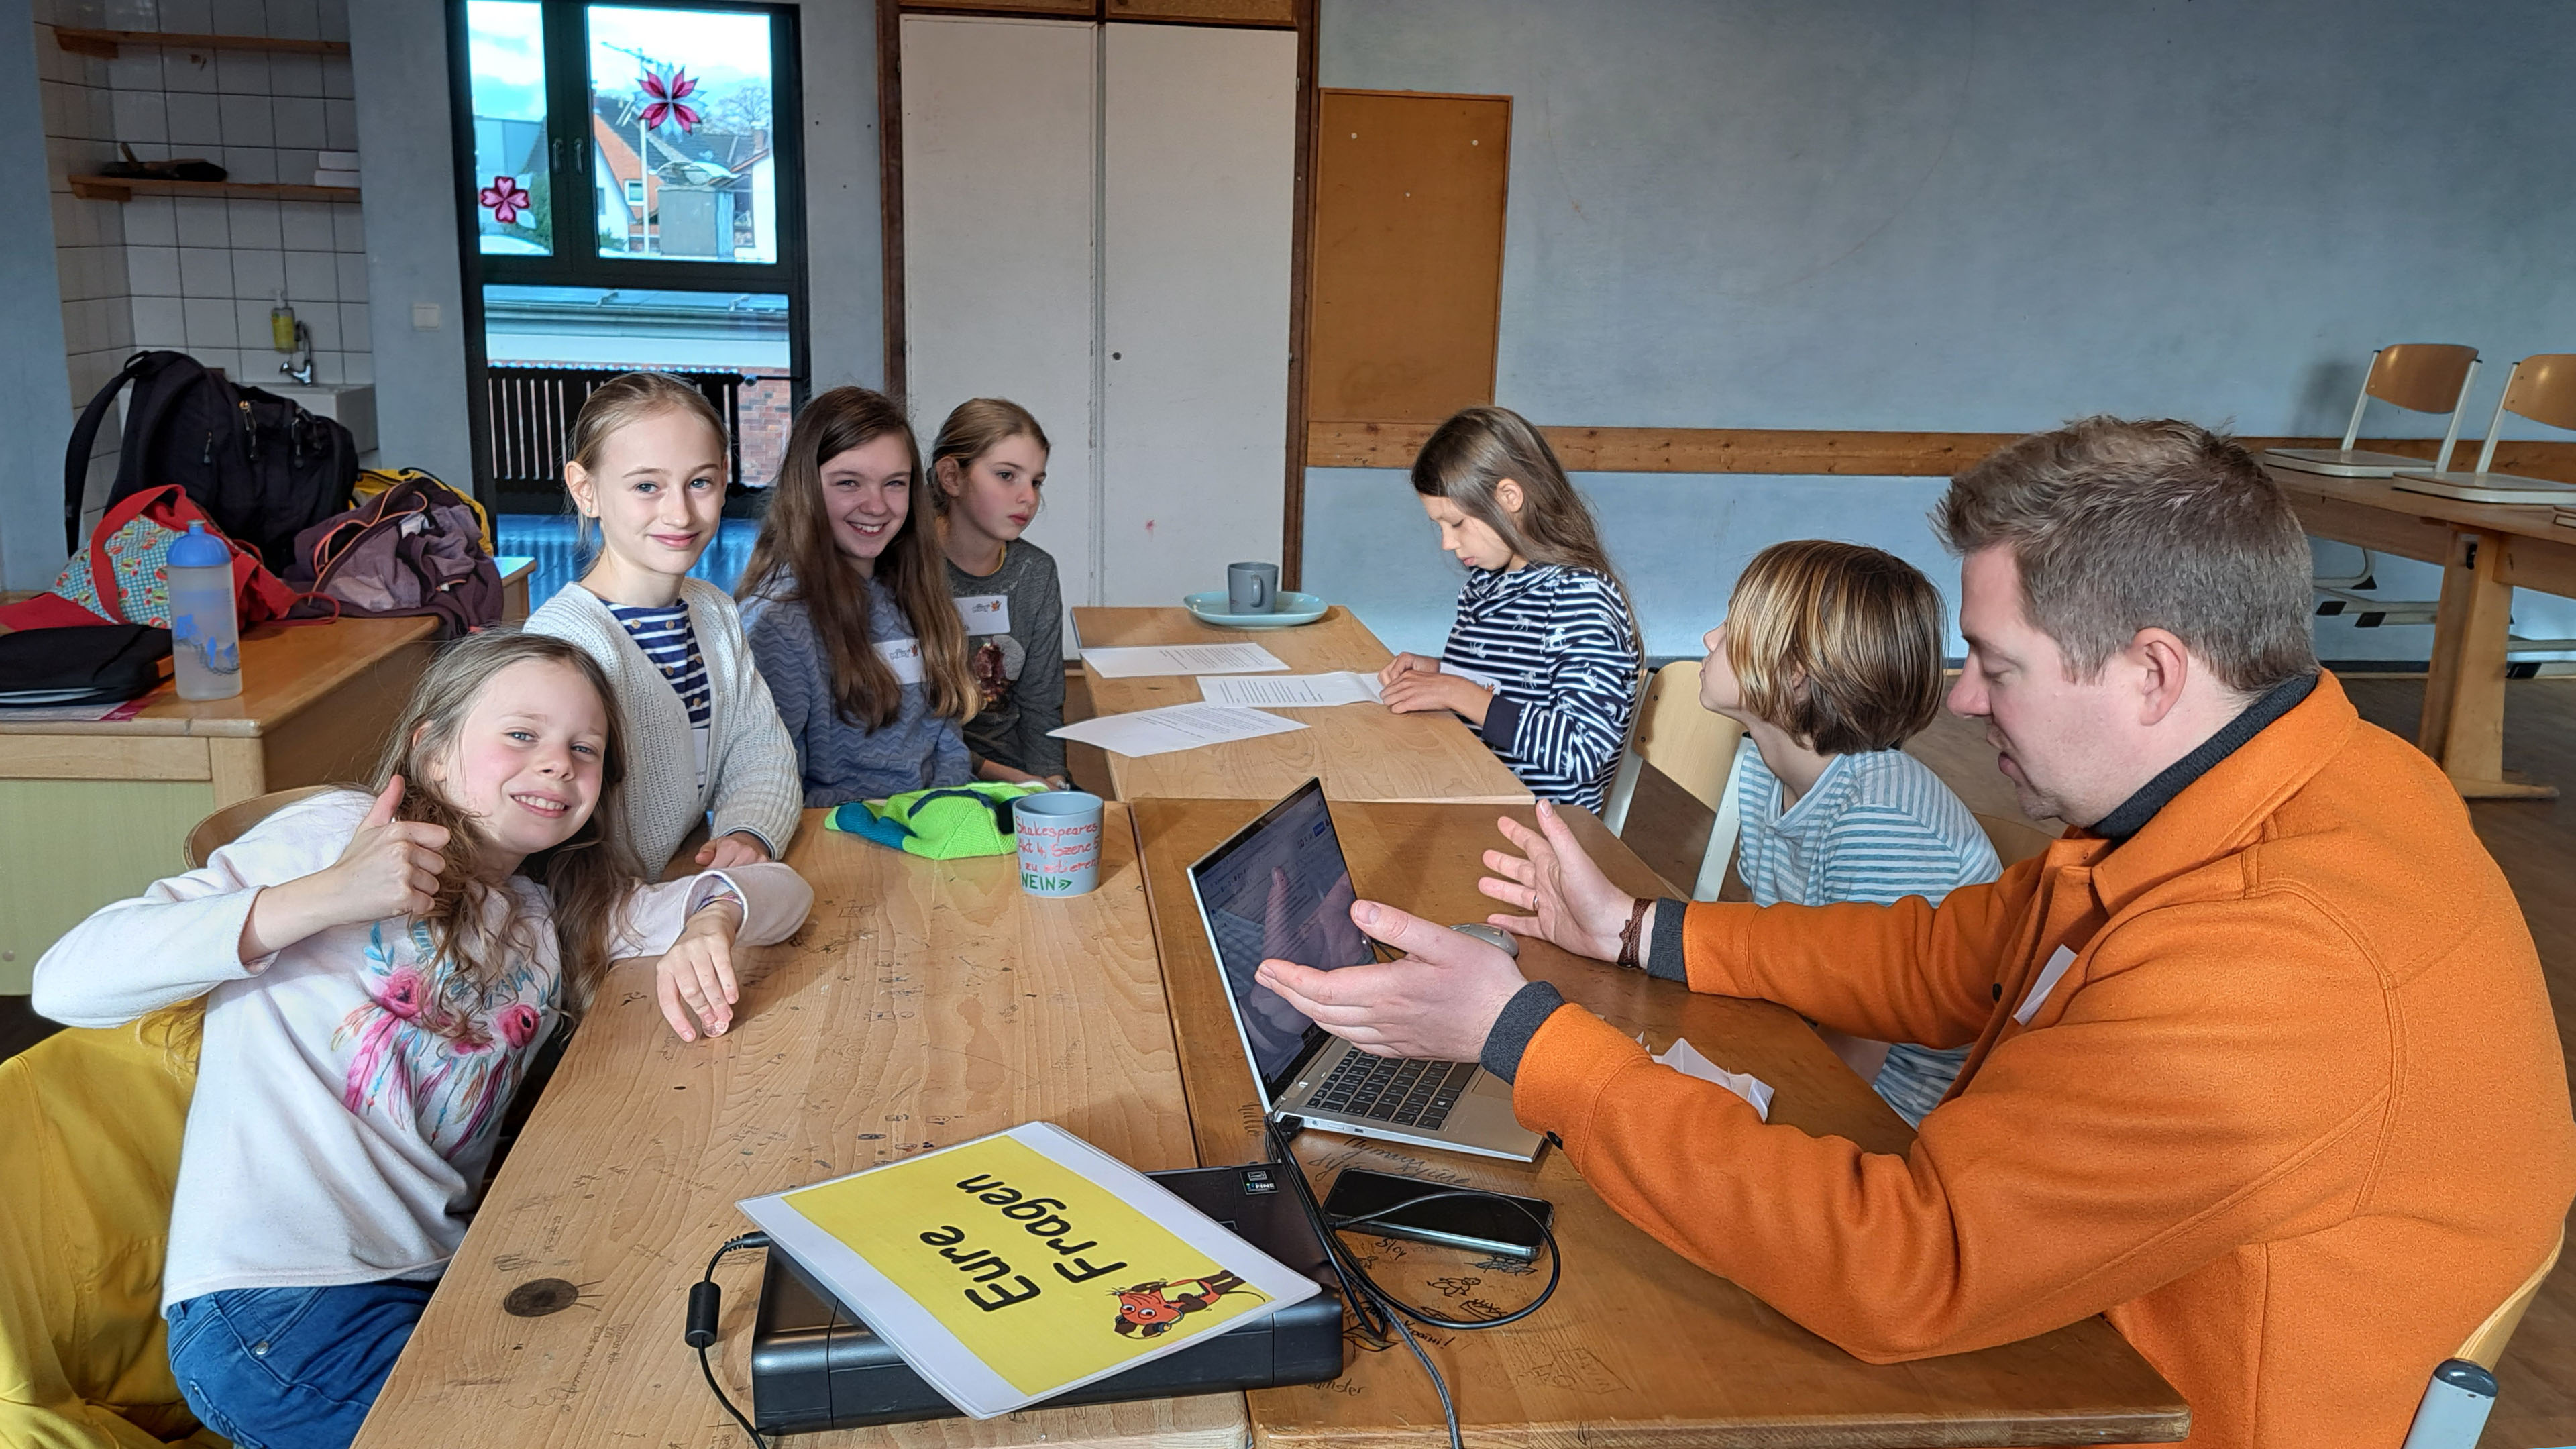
{"x": 1543, "y": 657}
{"x": 1830, "y": 657}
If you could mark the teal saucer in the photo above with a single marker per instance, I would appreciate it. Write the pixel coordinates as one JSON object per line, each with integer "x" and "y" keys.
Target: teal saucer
{"x": 1294, "y": 609}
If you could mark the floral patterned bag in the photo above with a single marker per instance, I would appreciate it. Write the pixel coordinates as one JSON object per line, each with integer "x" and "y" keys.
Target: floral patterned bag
{"x": 124, "y": 574}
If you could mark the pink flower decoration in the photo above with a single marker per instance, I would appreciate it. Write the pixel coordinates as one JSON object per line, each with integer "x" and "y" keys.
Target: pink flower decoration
{"x": 505, "y": 198}
{"x": 518, "y": 1023}
{"x": 402, "y": 994}
{"x": 667, "y": 93}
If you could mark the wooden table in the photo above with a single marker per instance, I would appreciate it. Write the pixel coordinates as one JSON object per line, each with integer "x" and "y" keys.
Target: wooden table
{"x": 1362, "y": 751}
{"x": 515, "y": 572}
{"x": 925, "y": 1003}
{"x": 1639, "y": 1346}
{"x": 93, "y": 812}
{"x": 2486, "y": 550}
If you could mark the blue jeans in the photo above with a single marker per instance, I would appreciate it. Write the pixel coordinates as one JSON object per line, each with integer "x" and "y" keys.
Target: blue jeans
{"x": 291, "y": 1368}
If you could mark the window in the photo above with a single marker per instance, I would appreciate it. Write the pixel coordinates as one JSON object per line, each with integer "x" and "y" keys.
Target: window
{"x": 673, "y": 126}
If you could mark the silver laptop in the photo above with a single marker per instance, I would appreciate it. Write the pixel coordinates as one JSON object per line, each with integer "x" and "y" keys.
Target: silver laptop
{"x": 1280, "y": 887}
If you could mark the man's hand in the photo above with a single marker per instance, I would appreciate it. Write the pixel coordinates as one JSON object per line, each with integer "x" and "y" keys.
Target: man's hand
{"x": 698, "y": 971}
{"x": 1569, "y": 900}
{"x": 1439, "y": 1002}
{"x": 727, "y": 851}
{"x": 1420, "y": 693}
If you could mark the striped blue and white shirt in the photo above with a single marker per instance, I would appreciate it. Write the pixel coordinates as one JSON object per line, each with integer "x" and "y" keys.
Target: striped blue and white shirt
{"x": 1560, "y": 645}
{"x": 666, "y": 638}
{"x": 1876, "y": 827}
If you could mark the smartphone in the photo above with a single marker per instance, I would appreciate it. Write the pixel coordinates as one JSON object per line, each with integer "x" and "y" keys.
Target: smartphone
{"x": 1478, "y": 1224}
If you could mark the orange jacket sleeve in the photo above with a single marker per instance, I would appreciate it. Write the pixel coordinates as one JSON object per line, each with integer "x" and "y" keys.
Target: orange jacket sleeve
{"x": 2164, "y": 1109}
{"x": 1904, "y": 972}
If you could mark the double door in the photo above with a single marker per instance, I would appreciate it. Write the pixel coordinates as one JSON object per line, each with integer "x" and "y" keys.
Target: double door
{"x": 1097, "y": 222}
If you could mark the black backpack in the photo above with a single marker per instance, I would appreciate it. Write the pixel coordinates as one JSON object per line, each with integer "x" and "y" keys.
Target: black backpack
{"x": 263, "y": 468}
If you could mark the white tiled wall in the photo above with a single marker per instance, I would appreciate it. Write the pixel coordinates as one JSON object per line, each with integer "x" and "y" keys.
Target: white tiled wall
{"x": 200, "y": 274}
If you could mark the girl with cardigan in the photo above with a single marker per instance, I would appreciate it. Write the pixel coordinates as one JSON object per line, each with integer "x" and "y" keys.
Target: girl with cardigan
{"x": 648, "y": 467}
{"x": 847, "y": 608}
{"x": 378, "y": 966}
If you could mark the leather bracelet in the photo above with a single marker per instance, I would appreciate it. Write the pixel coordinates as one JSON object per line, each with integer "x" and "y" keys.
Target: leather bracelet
{"x": 1628, "y": 936}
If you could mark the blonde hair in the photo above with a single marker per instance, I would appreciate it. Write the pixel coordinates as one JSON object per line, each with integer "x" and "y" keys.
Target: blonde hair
{"x": 587, "y": 876}
{"x": 976, "y": 427}
{"x": 1838, "y": 644}
{"x": 1468, "y": 456}
{"x": 795, "y": 558}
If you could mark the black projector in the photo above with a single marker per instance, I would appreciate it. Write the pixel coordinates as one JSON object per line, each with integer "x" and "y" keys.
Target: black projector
{"x": 814, "y": 1365}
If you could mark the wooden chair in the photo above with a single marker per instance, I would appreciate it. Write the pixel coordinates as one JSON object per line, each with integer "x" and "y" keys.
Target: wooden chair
{"x": 2424, "y": 377}
{"x": 2542, "y": 388}
{"x": 1697, "y": 751}
{"x": 233, "y": 821}
{"x": 2456, "y": 1403}
{"x": 2015, "y": 840}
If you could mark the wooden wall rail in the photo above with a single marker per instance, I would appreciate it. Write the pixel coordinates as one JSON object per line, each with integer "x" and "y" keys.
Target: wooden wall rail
{"x": 1802, "y": 451}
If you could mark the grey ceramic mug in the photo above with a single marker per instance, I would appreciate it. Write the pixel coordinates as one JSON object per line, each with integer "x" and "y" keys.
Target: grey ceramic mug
{"x": 1251, "y": 588}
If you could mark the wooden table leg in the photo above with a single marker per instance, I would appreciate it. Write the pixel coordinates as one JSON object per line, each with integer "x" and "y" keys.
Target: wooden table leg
{"x": 2463, "y": 722}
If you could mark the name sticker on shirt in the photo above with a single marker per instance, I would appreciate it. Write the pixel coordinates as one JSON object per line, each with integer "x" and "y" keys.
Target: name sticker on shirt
{"x": 985, "y": 613}
{"x": 2049, "y": 976}
{"x": 903, "y": 656}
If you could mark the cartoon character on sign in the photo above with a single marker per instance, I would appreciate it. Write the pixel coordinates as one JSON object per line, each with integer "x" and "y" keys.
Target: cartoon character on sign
{"x": 1148, "y": 1310}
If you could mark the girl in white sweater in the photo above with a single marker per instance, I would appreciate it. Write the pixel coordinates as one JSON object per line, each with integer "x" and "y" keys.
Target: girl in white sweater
{"x": 376, "y": 974}
{"x": 647, "y": 466}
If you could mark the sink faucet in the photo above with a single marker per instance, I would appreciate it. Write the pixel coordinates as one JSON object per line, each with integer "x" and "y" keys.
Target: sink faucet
{"x": 301, "y": 372}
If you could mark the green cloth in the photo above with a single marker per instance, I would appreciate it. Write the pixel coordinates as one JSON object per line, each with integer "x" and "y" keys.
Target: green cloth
{"x": 949, "y": 823}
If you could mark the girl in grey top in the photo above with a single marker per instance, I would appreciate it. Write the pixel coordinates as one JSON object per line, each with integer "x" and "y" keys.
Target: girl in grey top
{"x": 988, "y": 467}
{"x": 848, "y": 613}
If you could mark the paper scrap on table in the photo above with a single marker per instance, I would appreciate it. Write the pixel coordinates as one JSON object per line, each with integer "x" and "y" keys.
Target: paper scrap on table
{"x": 1151, "y": 659}
{"x": 1174, "y": 727}
{"x": 1687, "y": 1060}
{"x": 1291, "y": 691}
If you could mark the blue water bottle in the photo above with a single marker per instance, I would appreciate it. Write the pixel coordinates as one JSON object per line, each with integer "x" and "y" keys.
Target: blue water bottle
{"x": 205, "y": 634}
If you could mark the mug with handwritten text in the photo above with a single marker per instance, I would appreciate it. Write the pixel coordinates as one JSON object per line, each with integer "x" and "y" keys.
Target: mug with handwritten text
{"x": 1059, "y": 834}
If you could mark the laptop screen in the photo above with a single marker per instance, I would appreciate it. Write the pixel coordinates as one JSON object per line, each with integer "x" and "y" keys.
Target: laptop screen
{"x": 1279, "y": 888}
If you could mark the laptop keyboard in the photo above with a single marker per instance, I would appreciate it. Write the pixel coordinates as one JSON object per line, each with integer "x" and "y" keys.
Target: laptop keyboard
{"x": 1383, "y": 1089}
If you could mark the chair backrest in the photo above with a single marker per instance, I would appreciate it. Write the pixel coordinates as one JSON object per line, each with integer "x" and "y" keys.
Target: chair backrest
{"x": 2486, "y": 1345}
{"x": 1694, "y": 748}
{"x": 233, "y": 821}
{"x": 2015, "y": 840}
{"x": 2543, "y": 389}
{"x": 2424, "y": 377}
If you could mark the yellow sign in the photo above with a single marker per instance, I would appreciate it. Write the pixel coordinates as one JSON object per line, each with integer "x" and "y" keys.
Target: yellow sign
{"x": 1045, "y": 1275}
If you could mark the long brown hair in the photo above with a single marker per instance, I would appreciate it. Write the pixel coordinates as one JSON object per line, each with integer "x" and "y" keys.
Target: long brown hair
{"x": 795, "y": 558}
{"x": 1479, "y": 447}
{"x": 975, "y": 427}
{"x": 588, "y": 875}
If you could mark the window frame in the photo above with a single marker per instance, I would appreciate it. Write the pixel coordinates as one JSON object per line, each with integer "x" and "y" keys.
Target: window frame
{"x": 569, "y": 170}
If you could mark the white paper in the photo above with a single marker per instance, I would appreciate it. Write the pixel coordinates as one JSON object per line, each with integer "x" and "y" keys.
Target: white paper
{"x": 1687, "y": 1060}
{"x": 985, "y": 614}
{"x": 69, "y": 713}
{"x": 1291, "y": 691}
{"x": 2049, "y": 976}
{"x": 903, "y": 656}
{"x": 1174, "y": 727}
{"x": 1151, "y": 659}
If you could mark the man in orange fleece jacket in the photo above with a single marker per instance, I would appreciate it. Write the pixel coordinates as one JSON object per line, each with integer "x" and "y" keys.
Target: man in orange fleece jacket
{"x": 2264, "y": 1067}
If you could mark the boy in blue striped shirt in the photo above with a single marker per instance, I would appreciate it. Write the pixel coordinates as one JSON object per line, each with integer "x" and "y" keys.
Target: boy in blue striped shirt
{"x": 1830, "y": 657}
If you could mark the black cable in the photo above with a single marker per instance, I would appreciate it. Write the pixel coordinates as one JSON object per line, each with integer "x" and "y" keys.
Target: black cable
{"x": 706, "y": 1301}
{"x": 1377, "y": 1310}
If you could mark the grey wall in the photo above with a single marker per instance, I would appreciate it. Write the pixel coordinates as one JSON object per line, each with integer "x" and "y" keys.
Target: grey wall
{"x": 407, "y": 175}
{"x": 409, "y": 179}
{"x": 1943, "y": 215}
{"x": 32, "y": 372}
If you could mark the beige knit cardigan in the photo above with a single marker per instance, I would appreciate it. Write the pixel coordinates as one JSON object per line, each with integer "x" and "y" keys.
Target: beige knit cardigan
{"x": 752, "y": 783}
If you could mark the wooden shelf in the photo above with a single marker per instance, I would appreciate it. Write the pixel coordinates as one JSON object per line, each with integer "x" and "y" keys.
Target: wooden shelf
{"x": 104, "y": 43}
{"x": 126, "y": 188}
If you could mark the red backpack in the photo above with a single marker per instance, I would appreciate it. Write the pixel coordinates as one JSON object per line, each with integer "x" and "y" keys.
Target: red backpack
{"x": 123, "y": 575}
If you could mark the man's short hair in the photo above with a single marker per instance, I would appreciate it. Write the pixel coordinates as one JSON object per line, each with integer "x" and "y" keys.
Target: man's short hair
{"x": 2119, "y": 525}
{"x": 1838, "y": 644}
